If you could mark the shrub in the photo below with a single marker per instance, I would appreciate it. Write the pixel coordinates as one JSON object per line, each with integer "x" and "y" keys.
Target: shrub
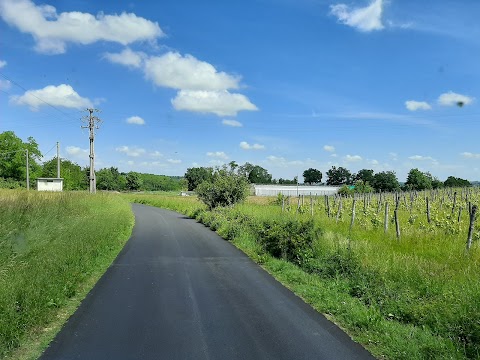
{"x": 226, "y": 188}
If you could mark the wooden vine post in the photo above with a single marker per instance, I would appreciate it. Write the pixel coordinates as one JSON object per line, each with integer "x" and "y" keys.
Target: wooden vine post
{"x": 473, "y": 213}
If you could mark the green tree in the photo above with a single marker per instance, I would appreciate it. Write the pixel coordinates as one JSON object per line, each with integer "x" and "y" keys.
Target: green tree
{"x": 133, "y": 181}
{"x": 13, "y": 157}
{"x": 73, "y": 176}
{"x": 110, "y": 179}
{"x": 312, "y": 176}
{"x": 196, "y": 175}
{"x": 225, "y": 188}
{"x": 255, "y": 174}
{"x": 417, "y": 180}
{"x": 340, "y": 176}
{"x": 364, "y": 175}
{"x": 453, "y": 181}
{"x": 385, "y": 181}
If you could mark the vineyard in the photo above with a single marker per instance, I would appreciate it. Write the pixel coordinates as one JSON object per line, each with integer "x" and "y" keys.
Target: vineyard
{"x": 392, "y": 269}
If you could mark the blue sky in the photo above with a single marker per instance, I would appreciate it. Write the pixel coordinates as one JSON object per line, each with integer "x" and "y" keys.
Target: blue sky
{"x": 285, "y": 84}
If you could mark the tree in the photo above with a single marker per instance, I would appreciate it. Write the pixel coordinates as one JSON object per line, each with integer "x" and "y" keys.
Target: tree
{"x": 312, "y": 176}
{"x": 338, "y": 176}
{"x": 255, "y": 174}
{"x": 196, "y": 175}
{"x": 111, "y": 179}
{"x": 453, "y": 181}
{"x": 364, "y": 175}
{"x": 13, "y": 157}
{"x": 73, "y": 176}
{"x": 133, "y": 181}
{"x": 225, "y": 188}
{"x": 385, "y": 181}
{"x": 417, "y": 180}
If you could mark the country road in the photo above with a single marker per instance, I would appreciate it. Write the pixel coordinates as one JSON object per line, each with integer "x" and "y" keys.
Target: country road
{"x": 179, "y": 291}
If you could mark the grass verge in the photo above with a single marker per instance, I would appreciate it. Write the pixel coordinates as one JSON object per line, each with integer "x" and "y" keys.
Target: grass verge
{"x": 53, "y": 249}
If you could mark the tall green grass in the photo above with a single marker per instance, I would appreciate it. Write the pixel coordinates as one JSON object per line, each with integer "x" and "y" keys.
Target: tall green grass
{"x": 417, "y": 298}
{"x": 51, "y": 244}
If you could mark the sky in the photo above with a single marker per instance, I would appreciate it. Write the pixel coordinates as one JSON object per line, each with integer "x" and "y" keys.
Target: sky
{"x": 388, "y": 85}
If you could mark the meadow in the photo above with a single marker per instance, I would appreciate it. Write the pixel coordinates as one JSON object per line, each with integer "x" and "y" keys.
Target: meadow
{"x": 53, "y": 248}
{"x": 403, "y": 285}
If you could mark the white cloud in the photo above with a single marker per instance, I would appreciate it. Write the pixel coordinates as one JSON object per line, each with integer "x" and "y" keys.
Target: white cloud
{"x": 373, "y": 162}
{"x": 452, "y": 99}
{"x": 175, "y": 71}
{"x": 413, "y": 105}
{"x": 246, "y": 146}
{"x": 364, "y": 19}
{"x": 352, "y": 158}
{"x": 131, "y": 151}
{"x": 156, "y": 154}
{"x": 3, "y": 63}
{"x": 329, "y": 148}
{"x": 334, "y": 155}
{"x": 126, "y": 58}
{"x": 469, "y": 155}
{"x": 221, "y": 103}
{"x": 233, "y": 123}
{"x": 5, "y": 84}
{"x": 135, "y": 120}
{"x": 217, "y": 154}
{"x": 421, "y": 158}
{"x": 174, "y": 161}
{"x": 75, "y": 151}
{"x": 62, "y": 95}
{"x": 53, "y": 31}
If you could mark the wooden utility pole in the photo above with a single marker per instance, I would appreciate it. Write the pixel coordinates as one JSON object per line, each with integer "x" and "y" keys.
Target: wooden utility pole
{"x": 28, "y": 171}
{"x": 58, "y": 160}
{"x": 93, "y": 122}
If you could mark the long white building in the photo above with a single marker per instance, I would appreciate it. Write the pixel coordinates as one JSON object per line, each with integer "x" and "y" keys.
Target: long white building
{"x": 294, "y": 190}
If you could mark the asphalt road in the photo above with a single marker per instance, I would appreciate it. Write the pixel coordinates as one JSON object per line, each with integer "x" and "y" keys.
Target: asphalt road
{"x": 179, "y": 291}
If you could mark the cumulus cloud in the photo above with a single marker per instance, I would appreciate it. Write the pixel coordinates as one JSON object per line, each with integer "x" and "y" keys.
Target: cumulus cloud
{"x": 202, "y": 88}
{"x": 279, "y": 161}
{"x": 52, "y": 31}
{"x": 364, "y": 19}
{"x": 174, "y": 161}
{"x": 175, "y": 71}
{"x": 233, "y": 123}
{"x": 451, "y": 99}
{"x": 62, "y": 95}
{"x": 221, "y": 103}
{"x": 3, "y": 63}
{"x": 76, "y": 151}
{"x": 131, "y": 151}
{"x": 156, "y": 154}
{"x": 135, "y": 120}
{"x": 352, "y": 158}
{"x": 469, "y": 155}
{"x": 329, "y": 148}
{"x": 246, "y": 146}
{"x": 217, "y": 154}
{"x": 126, "y": 58}
{"x": 413, "y": 105}
{"x": 5, "y": 84}
{"x": 421, "y": 158}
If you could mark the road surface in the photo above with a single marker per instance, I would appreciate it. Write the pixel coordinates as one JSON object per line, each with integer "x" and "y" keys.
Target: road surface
{"x": 179, "y": 291}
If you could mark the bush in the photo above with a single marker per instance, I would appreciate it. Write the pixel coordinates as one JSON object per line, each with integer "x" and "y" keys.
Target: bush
{"x": 225, "y": 189}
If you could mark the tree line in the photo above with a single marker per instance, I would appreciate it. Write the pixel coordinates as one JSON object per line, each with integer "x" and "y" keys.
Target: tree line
{"x": 13, "y": 171}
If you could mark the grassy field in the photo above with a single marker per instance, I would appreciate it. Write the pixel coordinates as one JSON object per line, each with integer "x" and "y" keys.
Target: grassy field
{"x": 413, "y": 298}
{"x": 53, "y": 248}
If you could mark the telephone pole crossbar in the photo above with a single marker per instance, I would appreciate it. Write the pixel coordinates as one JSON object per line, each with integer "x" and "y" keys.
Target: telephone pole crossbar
{"x": 93, "y": 123}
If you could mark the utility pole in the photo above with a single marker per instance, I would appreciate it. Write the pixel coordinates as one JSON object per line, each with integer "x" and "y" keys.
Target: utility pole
{"x": 28, "y": 172}
{"x": 58, "y": 160}
{"x": 93, "y": 122}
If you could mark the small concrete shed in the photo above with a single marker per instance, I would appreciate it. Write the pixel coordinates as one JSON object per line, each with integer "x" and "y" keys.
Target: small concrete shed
{"x": 50, "y": 184}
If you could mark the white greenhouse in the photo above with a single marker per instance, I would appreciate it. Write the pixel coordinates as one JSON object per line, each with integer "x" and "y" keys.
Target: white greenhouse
{"x": 294, "y": 190}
